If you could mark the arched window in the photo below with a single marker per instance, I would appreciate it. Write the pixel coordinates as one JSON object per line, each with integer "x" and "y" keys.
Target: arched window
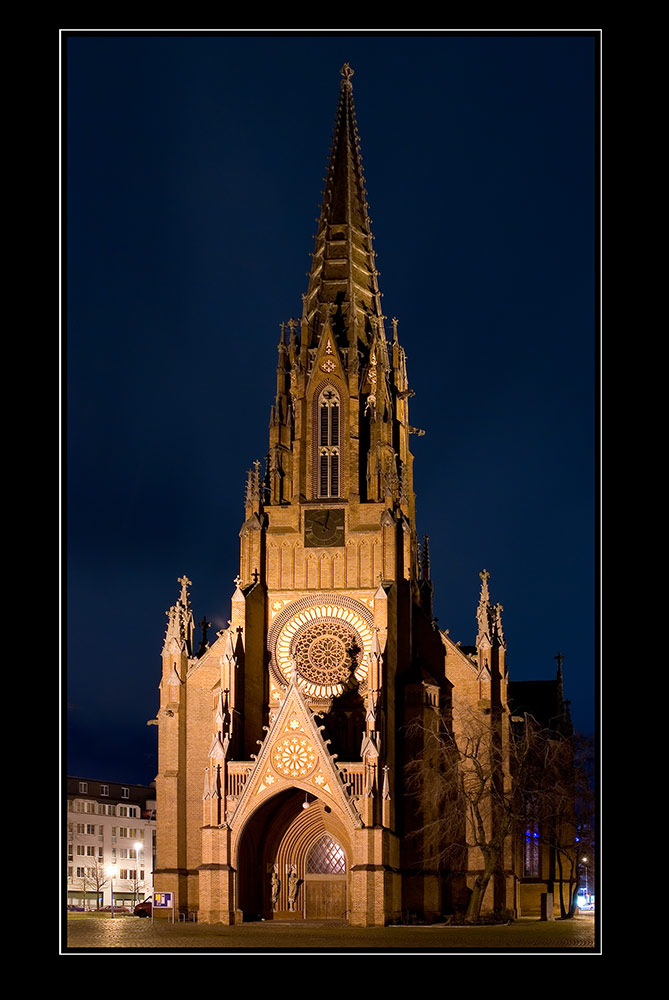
{"x": 326, "y": 857}
{"x": 329, "y": 448}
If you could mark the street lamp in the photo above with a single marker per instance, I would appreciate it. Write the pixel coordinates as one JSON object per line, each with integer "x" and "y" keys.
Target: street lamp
{"x": 584, "y": 861}
{"x": 138, "y": 848}
{"x": 111, "y": 871}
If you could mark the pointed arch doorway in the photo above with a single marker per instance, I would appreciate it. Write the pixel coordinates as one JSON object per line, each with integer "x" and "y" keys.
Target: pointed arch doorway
{"x": 303, "y": 854}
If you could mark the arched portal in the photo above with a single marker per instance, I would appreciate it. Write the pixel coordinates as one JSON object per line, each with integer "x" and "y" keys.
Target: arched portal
{"x": 293, "y": 861}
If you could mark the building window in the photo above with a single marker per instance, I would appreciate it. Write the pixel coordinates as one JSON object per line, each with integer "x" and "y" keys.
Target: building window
{"x": 326, "y": 857}
{"x": 104, "y": 789}
{"x": 329, "y": 447}
{"x": 90, "y": 828}
{"x": 125, "y": 793}
{"x": 531, "y": 860}
{"x": 83, "y": 787}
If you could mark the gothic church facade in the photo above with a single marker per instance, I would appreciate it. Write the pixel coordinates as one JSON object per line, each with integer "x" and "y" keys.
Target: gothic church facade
{"x": 282, "y": 743}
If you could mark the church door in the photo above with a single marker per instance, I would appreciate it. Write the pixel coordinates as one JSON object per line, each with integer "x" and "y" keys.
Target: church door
{"x": 325, "y": 880}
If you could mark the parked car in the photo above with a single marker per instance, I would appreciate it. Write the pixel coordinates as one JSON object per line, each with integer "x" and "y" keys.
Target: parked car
{"x": 144, "y": 908}
{"x": 117, "y": 908}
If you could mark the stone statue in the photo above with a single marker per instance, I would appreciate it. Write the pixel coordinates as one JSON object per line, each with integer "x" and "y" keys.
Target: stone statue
{"x": 276, "y": 887}
{"x": 293, "y": 887}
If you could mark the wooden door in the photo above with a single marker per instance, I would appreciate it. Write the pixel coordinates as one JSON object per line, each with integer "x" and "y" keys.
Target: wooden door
{"x": 325, "y": 897}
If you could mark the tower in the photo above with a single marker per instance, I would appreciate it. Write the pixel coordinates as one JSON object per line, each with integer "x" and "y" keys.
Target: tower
{"x": 282, "y": 744}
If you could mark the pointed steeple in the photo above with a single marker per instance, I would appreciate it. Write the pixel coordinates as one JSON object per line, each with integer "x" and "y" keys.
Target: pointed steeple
{"x": 180, "y": 624}
{"x": 343, "y": 273}
{"x": 484, "y": 614}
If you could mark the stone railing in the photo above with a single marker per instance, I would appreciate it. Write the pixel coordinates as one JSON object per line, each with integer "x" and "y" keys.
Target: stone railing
{"x": 354, "y": 776}
{"x": 239, "y": 770}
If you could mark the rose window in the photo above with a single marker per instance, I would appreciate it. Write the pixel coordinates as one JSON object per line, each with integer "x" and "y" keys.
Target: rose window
{"x": 326, "y": 641}
{"x": 327, "y": 652}
{"x": 294, "y": 757}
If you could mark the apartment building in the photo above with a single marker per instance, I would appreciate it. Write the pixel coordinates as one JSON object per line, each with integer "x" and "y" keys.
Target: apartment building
{"x": 110, "y": 842}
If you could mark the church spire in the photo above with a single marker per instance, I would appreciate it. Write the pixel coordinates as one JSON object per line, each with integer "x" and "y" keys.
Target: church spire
{"x": 180, "y": 623}
{"x": 484, "y": 613}
{"x": 343, "y": 280}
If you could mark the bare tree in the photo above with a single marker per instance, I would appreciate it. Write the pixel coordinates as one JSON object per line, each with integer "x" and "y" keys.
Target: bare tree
{"x": 472, "y": 779}
{"x": 94, "y": 879}
{"x": 568, "y": 813}
{"x": 462, "y": 792}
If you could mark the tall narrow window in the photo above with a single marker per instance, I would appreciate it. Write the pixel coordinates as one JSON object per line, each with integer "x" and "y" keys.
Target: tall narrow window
{"x": 328, "y": 438}
{"x": 531, "y": 866}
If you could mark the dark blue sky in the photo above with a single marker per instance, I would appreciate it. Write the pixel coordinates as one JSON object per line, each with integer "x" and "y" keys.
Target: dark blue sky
{"x": 192, "y": 183}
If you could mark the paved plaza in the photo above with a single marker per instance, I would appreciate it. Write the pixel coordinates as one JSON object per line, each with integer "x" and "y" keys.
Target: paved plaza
{"x": 86, "y": 934}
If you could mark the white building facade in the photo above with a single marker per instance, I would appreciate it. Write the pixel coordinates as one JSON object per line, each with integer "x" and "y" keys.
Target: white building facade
{"x": 110, "y": 842}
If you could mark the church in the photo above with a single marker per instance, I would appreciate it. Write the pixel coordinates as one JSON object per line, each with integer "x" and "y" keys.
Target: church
{"x": 283, "y": 741}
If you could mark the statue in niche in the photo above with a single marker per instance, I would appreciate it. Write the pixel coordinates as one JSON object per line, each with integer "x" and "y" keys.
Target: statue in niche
{"x": 293, "y": 887}
{"x": 276, "y": 886}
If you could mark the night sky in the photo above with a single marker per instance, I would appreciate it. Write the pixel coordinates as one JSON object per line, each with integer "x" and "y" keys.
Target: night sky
{"x": 192, "y": 178}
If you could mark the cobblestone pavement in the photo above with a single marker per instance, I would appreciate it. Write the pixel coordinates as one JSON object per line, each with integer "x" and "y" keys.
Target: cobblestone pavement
{"x": 123, "y": 934}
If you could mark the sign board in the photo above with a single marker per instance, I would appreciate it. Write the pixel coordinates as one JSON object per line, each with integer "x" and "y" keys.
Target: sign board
{"x": 163, "y": 900}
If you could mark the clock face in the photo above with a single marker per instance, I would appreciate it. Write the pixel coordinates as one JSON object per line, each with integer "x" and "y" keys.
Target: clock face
{"x": 324, "y": 528}
{"x": 328, "y": 642}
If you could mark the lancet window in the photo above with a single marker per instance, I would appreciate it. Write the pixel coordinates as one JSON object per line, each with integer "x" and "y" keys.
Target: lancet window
{"x": 329, "y": 447}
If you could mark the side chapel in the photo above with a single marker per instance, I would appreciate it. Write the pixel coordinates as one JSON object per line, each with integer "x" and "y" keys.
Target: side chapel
{"x": 282, "y": 747}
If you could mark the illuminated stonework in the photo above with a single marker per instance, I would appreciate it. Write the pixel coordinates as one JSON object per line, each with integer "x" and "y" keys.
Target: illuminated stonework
{"x": 328, "y": 643}
{"x": 294, "y": 757}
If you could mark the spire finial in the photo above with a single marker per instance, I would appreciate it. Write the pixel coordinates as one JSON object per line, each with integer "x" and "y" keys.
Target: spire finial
{"x": 346, "y": 73}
